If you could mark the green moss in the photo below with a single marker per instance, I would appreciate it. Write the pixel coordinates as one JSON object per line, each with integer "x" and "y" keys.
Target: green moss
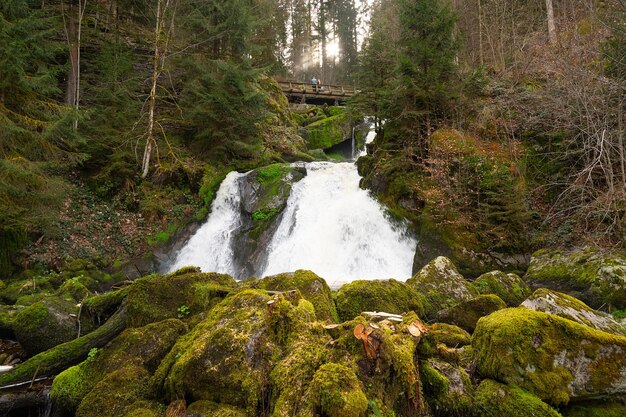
{"x": 390, "y": 296}
{"x": 144, "y": 347}
{"x": 158, "y": 297}
{"x": 45, "y": 324}
{"x": 264, "y": 214}
{"x": 211, "y": 181}
{"x": 104, "y": 305}
{"x": 597, "y": 278}
{"x": 450, "y": 335}
{"x": 312, "y": 287}
{"x": 595, "y": 409}
{"x": 20, "y": 288}
{"x": 327, "y": 132}
{"x": 162, "y": 236}
{"x": 335, "y": 391}
{"x": 235, "y": 340}
{"x": 211, "y": 409}
{"x": 447, "y": 389}
{"x": 509, "y": 287}
{"x": 466, "y": 314}
{"x": 115, "y": 393}
{"x": 553, "y": 358}
{"x": 440, "y": 285}
{"x": 73, "y": 290}
{"x": 495, "y": 399}
{"x": 270, "y": 173}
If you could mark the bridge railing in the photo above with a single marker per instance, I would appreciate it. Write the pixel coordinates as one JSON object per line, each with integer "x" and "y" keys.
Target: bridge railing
{"x": 293, "y": 87}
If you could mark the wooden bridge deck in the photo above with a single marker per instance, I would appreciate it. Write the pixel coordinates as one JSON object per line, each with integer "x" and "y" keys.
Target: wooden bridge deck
{"x": 313, "y": 94}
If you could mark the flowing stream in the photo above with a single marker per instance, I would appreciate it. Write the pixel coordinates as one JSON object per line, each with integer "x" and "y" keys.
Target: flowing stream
{"x": 330, "y": 226}
{"x": 337, "y": 230}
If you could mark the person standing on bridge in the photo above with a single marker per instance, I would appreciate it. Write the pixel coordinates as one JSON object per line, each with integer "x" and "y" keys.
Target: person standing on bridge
{"x": 314, "y": 80}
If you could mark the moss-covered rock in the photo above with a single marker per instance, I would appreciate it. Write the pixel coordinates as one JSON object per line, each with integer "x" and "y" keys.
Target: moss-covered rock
{"x": 327, "y": 132}
{"x": 226, "y": 358}
{"x": 312, "y": 287}
{"x": 115, "y": 394}
{"x": 466, "y": 314}
{"x": 450, "y": 335}
{"x": 496, "y": 399}
{"x": 596, "y": 278}
{"x": 447, "y": 389}
{"x": 441, "y": 285}
{"x": 568, "y": 307}
{"x": 45, "y": 324}
{"x": 595, "y": 409}
{"x": 205, "y": 408}
{"x": 336, "y": 391}
{"x": 551, "y": 357}
{"x": 13, "y": 290}
{"x": 73, "y": 290}
{"x": 509, "y": 287}
{"x": 143, "y": 347}
{"x": 264, "y": 194}
{"x": 390, "y": 296}
{"x": 159, "y": 297}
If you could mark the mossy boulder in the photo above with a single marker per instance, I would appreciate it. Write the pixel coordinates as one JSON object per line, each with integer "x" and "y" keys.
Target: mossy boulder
{"x": 264, "y": 195}
{"x": 595, "y": 409}
{"x": 226, "y": 358}
{"x": 466, "y": 314}
{"x": 204, "y": 408}
{"x": 447, "y": 388}
{"x": 327, "y": 132}
{"x": 143, "y": 347}
{"x": 496, "y": 399}
{"x": 450, "y": 335}
{"x": 336, "y": 391}
{"x": 312, "y": 287}
{"x": 509, "y": 287}
{"x": 390, "y": 296}
{"x": 441, "y": 286}
{"x": 45, "y": 324}
{"x": 13, "y": 290}
{"x": 116, "y": 393}
{"x": 554, "y": 358}
{"x": 595, "y": 277}
{"x": 568, "y": 307}
{"x": 158, "y": 297}
{"x": 73, "y": 290}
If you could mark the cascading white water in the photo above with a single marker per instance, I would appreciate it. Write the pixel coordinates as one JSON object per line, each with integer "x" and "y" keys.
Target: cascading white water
{"x": 211, "y": 247}
{"x": 337, "y": 230}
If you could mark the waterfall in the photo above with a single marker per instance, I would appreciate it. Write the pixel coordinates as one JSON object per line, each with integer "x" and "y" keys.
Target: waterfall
{"x": 337, "y": 230}
{"x": 330, "y": 226}
{"x": 211, "y": 248}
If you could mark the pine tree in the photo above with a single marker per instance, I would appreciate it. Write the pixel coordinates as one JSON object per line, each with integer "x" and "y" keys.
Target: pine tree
{"x": 423, "y": 84}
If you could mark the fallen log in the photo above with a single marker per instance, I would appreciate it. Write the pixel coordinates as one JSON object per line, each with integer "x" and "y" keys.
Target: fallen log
{"x": 61, "y": 357}
{"x": 381, "y": 315}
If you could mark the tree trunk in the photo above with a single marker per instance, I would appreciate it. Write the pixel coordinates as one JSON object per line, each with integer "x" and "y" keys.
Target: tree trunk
{"x": 71, "y": 34}
{"x": 551, "y": 26}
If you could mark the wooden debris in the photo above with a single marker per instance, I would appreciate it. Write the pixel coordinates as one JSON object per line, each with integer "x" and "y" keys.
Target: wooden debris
{"x": 417, "y": 329}
{"x": 370, "y": 344}
{"x": 381, "y": 315}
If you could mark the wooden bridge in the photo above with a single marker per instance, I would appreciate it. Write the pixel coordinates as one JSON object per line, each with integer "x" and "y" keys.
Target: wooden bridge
{"x": 298, "y": 92}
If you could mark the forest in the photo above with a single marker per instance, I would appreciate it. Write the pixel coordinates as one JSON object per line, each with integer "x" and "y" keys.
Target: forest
{"x": 489, "y": 134}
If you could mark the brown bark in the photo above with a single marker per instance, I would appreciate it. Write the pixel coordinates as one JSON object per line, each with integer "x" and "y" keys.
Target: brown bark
{"x": 551, "y": 26}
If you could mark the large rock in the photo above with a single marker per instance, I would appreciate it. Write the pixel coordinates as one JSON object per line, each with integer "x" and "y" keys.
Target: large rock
{"x": 466, "y": 314}
{"x": 447, "y": 388}
{"x": 563, "y": 305}
{"x": 185, "y": 292}
{"x": 390, "y": 296}
{"x": 264, "y": 194}
{"x": 554, "y": 358}
{"x": 228, "y": 357}
{"x": 509, "y": 287}
{"x": 441, "y": 285}
{"x": 327, "y": 132}
{"x": 496, "y": 399}
{"x": 47, "y": 323}
{"x": 312, "y": 287}
{"x": 336, "y": 391}
{"x": 597, "y": 278}
{"x": 143, "y": 347}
